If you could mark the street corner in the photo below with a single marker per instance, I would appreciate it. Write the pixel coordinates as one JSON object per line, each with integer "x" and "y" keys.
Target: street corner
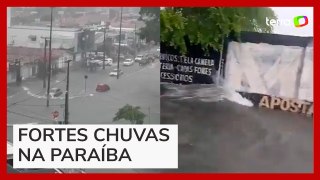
{"x": 36, "y": 93}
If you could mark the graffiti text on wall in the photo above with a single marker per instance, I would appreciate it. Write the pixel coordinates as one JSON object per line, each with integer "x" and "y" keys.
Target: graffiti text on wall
{"x": 175, "y": 68}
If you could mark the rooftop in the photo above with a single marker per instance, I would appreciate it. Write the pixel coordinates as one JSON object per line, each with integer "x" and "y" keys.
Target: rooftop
{"x": 32, "y": 36}
{"x": 45, "y": 28}
{"x": 28, "y": 55}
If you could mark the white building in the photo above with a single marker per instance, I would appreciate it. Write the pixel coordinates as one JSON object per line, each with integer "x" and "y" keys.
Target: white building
{"x": 33, "y": 37}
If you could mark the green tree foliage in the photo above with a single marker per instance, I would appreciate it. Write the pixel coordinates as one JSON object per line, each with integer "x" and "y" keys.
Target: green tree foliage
{"x": 209, "y": 26}
{"x": 151, "y": 18}
{"x": 130, "y": 113}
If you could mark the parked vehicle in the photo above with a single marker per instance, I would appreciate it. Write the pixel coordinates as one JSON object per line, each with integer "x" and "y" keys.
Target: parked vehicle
{"x": 115, "y": 72}
{"x": 55, "y": 92}
{"x": 138, "y": 58}
{"x": 128, "y": 62}
{"x": 108, "y": 62}
{"x": 102, "y": 87}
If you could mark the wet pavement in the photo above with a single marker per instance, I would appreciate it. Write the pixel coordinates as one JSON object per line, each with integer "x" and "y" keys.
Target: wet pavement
{"x": 217, "y": 134}
{"x": 138, "y": 86}
{"x": 220, "y": 132}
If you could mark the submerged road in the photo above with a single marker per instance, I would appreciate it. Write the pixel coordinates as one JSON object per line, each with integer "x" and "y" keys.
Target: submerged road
{"x": 218, "y": 135}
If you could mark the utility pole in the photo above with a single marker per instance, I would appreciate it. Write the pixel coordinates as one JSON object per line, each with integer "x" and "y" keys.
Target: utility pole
{"x": 135, "y": 43}
{"x": 119, "y": 45}
{"x": 85, "y": 38}
{"x": 149, "y": 113}
{"x": 17, "y": 64}
{"x": 49, "y": 68}
{"x": 104, "y": 47}
{"x": 85, "y": 83}
{"x": 45, "y": 62}
{"x": 66, "y": 104}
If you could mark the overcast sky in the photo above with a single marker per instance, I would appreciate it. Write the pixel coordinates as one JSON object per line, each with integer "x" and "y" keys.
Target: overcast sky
{"x": 290, "y": 13}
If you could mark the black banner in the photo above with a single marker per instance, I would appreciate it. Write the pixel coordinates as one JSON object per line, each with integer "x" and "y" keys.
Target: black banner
{"x": 195, "y": 67}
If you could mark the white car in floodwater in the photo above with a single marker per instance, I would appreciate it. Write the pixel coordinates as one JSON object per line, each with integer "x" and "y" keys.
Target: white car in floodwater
{"x": 128, "y": 62}
{"x": 107, "y": 62}
{"x": 115, "y": 72}
{"x": 138, "y": 58}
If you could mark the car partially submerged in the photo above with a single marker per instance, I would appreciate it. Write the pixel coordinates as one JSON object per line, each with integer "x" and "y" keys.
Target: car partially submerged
{"x": 146, "y": 60}
{"x": 55, "y": 92}
{"x": 115, "y": 72}
{"x": 101, "y": 87}
{"x": 138, "y": 58}
{"x": 128, "y": 62}
{"x": 99, "y": 62}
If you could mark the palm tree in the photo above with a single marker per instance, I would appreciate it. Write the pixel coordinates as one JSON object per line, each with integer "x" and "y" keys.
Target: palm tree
{"x": 130, "y": 113}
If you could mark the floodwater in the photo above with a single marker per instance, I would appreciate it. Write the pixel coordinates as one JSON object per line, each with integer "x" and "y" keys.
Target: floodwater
{"x": 204, "y": 93}
{"x": 219, "y": 131}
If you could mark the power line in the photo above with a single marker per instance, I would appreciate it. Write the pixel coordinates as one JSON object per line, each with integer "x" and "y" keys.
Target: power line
{"x": 49, "y": 67}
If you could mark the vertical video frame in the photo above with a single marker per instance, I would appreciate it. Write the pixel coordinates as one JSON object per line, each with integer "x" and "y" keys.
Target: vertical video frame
{"x": 239, "y": 84}
{"x": 78, "y": 65}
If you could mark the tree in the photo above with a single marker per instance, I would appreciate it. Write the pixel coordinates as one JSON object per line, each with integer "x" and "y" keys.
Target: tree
{"x": 130, "y": 113}
{"x": 151, "y": 18}
{"x": 209, "y": 26}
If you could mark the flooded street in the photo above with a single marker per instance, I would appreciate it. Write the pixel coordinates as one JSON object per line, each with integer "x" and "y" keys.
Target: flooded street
{"x": 220, "y": 132}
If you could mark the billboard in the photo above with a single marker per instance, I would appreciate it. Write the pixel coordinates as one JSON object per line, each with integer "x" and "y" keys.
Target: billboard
{"x": 270, "y": 68}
